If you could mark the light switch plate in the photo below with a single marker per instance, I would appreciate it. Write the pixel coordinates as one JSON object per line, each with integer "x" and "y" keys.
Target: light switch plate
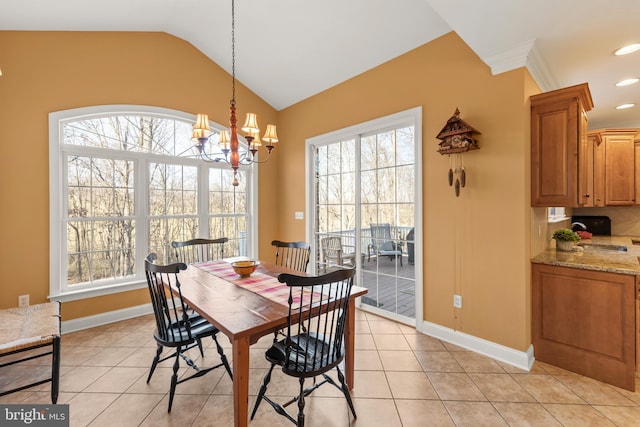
{"x": 457, "y": 301}
{"x": 299, "y": 215}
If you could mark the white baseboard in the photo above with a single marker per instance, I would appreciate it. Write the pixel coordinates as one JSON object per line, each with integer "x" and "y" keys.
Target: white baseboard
{"x": 519, "y": 359}
{"x": 105, "y": 318}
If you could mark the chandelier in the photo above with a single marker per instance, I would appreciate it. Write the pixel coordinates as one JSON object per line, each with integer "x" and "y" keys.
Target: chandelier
{"x": 228, "y": 141}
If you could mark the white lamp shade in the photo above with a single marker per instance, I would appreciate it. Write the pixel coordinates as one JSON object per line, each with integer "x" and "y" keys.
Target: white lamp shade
{"x": 256, "y": 139}
{"x": 270, "y": 136}
{"x": 199, "y": 133}
{"x": 202, "y": 122}
{"x": 223, "y": 139}
{"x": 251, "y": 124}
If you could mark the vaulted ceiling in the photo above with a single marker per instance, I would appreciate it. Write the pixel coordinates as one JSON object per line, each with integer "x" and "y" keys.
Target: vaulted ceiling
{"x": 288, "y": 50}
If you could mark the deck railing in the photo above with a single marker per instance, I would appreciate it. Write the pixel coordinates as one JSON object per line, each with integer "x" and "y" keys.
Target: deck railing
{"x": 398, "y": 233}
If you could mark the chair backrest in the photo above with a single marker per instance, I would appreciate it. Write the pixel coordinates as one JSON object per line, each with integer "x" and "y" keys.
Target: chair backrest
{"x": 381, "y": 237}
{"x": 318, "y": 306}
{"x": 294, "y": 255}
{"x": 169, "y": 309}
{"x": 199, "y": 250}
{"x": 331, "y": 248}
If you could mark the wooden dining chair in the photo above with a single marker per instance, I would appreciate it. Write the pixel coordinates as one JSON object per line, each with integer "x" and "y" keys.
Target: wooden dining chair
{"x": 199, "y": 250}
{"x": 294, "y": 255}
{"x": 176, "y": 328}
{"x": 313, "y": 344}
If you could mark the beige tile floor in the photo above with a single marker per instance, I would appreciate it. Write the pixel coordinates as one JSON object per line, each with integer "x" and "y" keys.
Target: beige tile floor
{"x": 402, "y": 378}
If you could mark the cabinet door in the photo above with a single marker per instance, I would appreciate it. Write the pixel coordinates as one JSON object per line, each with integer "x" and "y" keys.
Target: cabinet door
{"x": 619, "y": 169}
{"x": 554, "y": 153}
{"x": 584, "y": 321}
{"x": 586, "y": 167}
{"x": 599, "y": 152}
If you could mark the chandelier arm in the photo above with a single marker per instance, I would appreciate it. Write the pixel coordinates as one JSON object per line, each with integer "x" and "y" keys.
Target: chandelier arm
{"x": 207, "y": 158}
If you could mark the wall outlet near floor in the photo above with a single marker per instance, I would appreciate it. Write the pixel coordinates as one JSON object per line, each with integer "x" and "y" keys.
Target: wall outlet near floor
{"x": 457, "y": 301}
{"x": 23, "y": 300}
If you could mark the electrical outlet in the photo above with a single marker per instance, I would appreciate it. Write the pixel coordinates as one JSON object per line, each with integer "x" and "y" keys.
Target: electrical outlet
{"x": 23, "y": 300}
{"x": 457, "y": 301}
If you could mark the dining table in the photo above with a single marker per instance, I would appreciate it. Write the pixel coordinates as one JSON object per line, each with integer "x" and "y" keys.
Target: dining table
{"x": 246, "y": 309}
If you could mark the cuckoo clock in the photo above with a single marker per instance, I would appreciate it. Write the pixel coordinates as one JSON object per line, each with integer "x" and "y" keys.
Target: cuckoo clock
{"x": 456, "y": 138}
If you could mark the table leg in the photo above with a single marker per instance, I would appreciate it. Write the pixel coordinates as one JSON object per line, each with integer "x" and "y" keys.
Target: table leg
{"x": 349, "y": 342}
{"x": 241, "y": 381}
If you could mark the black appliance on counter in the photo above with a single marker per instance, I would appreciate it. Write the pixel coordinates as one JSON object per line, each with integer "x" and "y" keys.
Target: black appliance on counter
{"x": 596, "y": 225}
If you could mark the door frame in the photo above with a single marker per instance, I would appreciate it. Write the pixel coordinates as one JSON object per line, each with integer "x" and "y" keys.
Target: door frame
{"x": 412, "y": 116}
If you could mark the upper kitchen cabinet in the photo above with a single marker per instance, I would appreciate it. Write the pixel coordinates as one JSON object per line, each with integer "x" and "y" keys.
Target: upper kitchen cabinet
{"x": 559, "y": 147}
{"x": 614, "y": 164}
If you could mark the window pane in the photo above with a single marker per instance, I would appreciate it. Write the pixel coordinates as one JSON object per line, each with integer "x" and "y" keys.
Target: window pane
{"x": 321, "y": 160}
{"x": 334, "y": 190}
{"x": 369, "y": 186}
{"x": 405, "y": 146}
{"x": 348, "y": 156}
{"x": 386, "y": 185}
{"x": 368, "y": 160}
{"x": 333, "y": 159}
{"x": 406, "y": 187}
{"x": 386, "y": 150}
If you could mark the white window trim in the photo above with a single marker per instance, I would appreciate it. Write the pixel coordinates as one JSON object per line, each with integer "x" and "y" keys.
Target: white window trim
{"x": 57, "y": 236}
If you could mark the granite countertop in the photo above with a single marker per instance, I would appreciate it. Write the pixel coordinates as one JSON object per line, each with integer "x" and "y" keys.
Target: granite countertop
{"x": 595, "y": 258}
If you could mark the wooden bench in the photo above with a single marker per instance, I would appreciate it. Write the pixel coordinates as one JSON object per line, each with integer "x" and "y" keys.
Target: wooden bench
{"x": 24, "y": 331}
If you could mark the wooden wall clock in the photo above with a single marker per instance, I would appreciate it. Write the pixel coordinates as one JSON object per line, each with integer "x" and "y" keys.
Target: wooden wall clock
{"x": 456, "y": 138}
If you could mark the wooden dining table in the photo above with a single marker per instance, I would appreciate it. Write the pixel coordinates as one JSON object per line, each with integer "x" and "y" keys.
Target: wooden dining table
{"x": 245, "y": 316}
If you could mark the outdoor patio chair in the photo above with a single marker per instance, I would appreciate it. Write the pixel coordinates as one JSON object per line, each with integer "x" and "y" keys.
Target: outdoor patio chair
{"x": 294, "y": 255}
{"x": 175, "y": 327}
{"x": 382, "y": 244}
{"x": 333, "y": 253}
{"x": 199, "y": 250}
{"x": 313, "y": 344}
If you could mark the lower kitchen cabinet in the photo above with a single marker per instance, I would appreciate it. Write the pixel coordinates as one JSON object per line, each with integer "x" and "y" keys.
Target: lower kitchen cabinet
{"x": 584, "y": 321}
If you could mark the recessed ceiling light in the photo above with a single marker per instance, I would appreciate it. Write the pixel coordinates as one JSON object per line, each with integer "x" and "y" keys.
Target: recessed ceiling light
{"x": 627, "y": 82}
{"x": 628, "y": 49}
{"x": 624, "y": 106}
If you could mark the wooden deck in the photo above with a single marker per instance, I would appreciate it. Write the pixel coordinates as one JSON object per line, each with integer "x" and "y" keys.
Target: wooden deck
{"x": 391, "y": 287}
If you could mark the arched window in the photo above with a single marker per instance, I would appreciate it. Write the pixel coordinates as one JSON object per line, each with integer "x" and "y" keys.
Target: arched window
{"x": 126, "y": 181}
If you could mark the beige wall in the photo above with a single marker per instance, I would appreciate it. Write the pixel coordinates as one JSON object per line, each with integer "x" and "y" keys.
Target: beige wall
{"x": 477, "y": 245}
{"x": 52, "y": 71}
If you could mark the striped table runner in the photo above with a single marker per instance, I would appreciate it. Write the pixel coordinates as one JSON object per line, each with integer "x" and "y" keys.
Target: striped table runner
{"x": 259, "y": 283}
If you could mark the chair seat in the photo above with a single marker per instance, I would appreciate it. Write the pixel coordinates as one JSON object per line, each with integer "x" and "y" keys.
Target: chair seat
{"x": 200, "y": 328}
{"x": 317, "y": 355}
{"x": 389, "y": 253}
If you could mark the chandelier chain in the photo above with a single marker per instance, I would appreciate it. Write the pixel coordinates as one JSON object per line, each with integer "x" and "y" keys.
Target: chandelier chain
{"x": 233, "y": 53}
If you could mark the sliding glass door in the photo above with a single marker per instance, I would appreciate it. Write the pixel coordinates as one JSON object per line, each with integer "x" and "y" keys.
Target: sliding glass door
{"x": 364, "y": 192}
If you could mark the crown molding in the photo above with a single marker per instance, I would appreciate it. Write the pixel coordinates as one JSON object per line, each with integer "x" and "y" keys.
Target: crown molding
{"x": 524, "y": 55}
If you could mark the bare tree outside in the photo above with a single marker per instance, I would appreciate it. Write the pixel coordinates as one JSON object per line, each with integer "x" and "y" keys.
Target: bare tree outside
{"x": 101, "y": 196}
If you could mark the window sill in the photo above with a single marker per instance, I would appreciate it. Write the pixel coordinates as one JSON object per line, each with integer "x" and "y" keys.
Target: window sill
{"x": 81, "y": 294}
{"x": 554, "y": 220}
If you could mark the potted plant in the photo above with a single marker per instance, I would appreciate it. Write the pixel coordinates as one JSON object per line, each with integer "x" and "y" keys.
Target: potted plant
{"x": 565, "y": 238}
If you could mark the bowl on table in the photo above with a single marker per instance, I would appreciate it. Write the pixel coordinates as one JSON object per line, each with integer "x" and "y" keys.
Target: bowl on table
{"x": 245, "y": 268}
